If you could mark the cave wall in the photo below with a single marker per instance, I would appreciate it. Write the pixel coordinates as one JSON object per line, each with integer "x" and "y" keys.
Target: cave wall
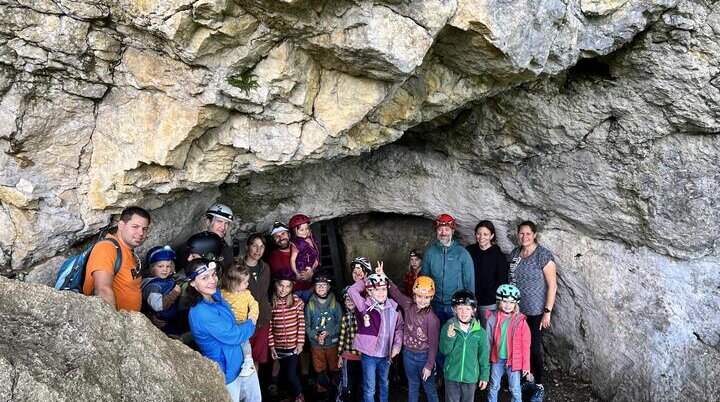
{"x": 344, "y": 108}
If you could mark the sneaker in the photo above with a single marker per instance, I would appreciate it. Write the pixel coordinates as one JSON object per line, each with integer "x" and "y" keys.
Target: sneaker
{"x": 247, "y": 369}
{"x": 273, "y": 390}
{"x": 539, "y": 394}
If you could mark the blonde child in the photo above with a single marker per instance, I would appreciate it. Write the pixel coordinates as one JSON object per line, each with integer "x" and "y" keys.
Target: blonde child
{"x": 287, "y": 333}
{"x": 304, "y": 255}
{"x": 509, "y": 341}
{"x": 159, "y": 291}
{"x": 464, "y": 343}
{"x": 235, "y": 291}
{"x": 380, "y": 332}
{"x": 349, "y": 362}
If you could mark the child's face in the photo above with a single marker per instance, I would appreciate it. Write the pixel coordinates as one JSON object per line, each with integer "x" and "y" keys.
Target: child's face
{"x": 283, "y": 288}
{"x": 358, "y": 273}
{"x": 464, "y": 313}
{"x": 415, "y": 262}
{"x": 163, "y": 269}
{"x": 422, "y": 301}
{"x": 321, "y": 289}
{"x": 379, "y": 293}
{"x": 349, "y": 304}
{"x": 242, "y": 284}
{"x": 302, "y": 231}
{"x": 507, "y": 307}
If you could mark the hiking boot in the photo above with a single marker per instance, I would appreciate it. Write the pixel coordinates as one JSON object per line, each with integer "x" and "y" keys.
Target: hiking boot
{"x": 273, "y": 390}
{"x": 539, "y": 395}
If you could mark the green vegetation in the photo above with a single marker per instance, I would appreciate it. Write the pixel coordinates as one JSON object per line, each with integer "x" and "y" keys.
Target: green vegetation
{"x": 245, "y": 81}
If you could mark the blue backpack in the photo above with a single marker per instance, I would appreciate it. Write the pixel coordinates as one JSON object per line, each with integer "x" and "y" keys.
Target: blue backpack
{"x": 71, "y": 274}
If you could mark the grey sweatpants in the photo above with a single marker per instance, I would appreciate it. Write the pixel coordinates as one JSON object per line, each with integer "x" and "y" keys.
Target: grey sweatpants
{"x": 460, "y": 391}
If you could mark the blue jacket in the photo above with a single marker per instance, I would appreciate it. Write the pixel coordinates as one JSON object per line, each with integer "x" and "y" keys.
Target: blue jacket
{"x": 218, "y": 336}
{"x": 451, "y": 268}
{"x": 323, "y": 317}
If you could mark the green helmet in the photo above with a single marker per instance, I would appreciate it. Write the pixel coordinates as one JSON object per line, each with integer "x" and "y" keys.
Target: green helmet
{"x": 505, "y": 292}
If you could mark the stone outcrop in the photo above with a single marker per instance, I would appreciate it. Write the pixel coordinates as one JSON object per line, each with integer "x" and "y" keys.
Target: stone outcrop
{"x": 598, "y": 119}
{"x": 65, "y": 347}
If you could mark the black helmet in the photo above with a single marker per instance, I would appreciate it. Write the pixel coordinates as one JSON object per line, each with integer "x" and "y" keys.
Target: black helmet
{"x": 207, "y": 244}
{"x": 344, "y": 292}
{"x": 464, "y": 298}
{"x": 321, "y": 277}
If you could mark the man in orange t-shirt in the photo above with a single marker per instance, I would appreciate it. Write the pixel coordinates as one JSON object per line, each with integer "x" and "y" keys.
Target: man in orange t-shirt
{"x": 121, "y": 290}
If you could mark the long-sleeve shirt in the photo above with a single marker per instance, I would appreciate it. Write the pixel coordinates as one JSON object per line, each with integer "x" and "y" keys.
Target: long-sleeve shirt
{"x": 243, "y": 304}
{"x": 323, "y": 315}
{"x": 421, "y": 333}
{"x": 348, "y": 329}
{"x": 287, "y": 325}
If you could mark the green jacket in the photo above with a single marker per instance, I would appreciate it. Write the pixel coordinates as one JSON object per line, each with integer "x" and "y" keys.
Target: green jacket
{"x": 466, "y": 354}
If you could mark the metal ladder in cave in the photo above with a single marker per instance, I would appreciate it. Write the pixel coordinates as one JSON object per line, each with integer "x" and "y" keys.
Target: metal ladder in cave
{"x": 331, "y": 250}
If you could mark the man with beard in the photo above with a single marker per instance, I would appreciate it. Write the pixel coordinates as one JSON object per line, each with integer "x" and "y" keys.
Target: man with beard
{"x": 279, "y": 258}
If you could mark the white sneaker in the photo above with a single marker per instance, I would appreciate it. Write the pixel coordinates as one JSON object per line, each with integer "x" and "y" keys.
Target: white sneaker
{"x": 247, "y": 369}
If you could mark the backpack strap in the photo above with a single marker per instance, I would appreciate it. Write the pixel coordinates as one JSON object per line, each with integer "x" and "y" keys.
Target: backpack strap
{"x": 118, "y": 258}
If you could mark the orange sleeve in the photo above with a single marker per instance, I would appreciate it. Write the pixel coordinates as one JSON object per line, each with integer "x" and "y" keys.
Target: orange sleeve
{"x": 102, "y": 258}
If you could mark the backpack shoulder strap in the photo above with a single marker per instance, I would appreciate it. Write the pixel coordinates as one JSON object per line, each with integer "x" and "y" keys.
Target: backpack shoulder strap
{"x": 118, "y": 258}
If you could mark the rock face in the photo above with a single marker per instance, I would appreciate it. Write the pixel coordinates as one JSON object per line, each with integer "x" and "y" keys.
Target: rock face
{"x": 598, "y": 119}
{"x": 65, "y": 347}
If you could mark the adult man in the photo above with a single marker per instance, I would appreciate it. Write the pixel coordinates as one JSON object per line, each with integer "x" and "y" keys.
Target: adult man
{"x": 279, "y": 258}
{"x": 121, "y": 290}
{"x": 449, "y": 264}
{"x": 218, "y": 218}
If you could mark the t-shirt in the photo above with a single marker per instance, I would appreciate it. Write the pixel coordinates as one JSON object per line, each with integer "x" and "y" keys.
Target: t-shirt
{"x": 279, "y": 261}
{"x": 527, "y": 274}
{"x": 502, "y": 348}
{"x": 126, "y": 284}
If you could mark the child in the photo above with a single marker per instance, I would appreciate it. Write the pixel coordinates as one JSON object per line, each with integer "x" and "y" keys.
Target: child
{"x": 412, "y": 273}
{"x": 464, "y": 343}
{"x": 304, "y": 254}
{"x": 360, "y": 268}
{"x": 351, "y": 389}
{"x": 420, "y": 337}
{"x": 235, "y": 291}
{"x": 322, "y": 324}
{"x": 509, "y": 340}
{"x": 380, "y": 331}
{"x": 287, "y": 333}
{"x": 160, "y": 292}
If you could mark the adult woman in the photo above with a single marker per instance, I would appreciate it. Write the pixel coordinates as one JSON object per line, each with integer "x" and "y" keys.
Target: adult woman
{"x": 533, "y": 271}
{"x": 218, "y": 336}
{"x": 259, "y": 286}
{"x": 491, "y": 267}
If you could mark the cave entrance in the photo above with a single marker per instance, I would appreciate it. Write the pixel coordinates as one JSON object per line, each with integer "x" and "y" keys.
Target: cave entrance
{"x": 379, "y": 236}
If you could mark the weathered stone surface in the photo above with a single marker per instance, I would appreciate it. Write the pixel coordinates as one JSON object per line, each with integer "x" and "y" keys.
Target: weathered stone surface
{"x": 67, "y": 347}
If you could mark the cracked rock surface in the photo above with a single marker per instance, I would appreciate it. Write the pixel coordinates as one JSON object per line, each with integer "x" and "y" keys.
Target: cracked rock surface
{"x": 598, "y": 119}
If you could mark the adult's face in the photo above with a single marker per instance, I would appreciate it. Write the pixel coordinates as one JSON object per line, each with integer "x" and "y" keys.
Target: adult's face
{"x": 526, "y": 236}
{"x": 444, "y": 234}
{"x": 256, "y": 249}
{"x": 282, "y": 240}
{"x": 206, "y": 283}
{"x": 218, "y": 226}
{"x": 133, "y": 232}
{"x": 484, "y": 237}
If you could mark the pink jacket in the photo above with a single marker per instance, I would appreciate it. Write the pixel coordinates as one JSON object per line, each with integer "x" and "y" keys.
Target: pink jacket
{"x": 518, "y": 339}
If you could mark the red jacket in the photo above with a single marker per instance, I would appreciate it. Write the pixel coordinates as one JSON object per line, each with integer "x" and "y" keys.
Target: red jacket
{"x": 518, "y": 339}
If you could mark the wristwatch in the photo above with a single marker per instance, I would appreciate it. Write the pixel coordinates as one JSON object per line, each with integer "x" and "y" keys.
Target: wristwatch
{"x": 546, "y": 310}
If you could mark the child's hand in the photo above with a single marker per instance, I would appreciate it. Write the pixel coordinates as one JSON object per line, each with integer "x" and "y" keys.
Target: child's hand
{"x": 273, "y": 353}
{"x": 426, "y": 373}
{"x": 395, "y": 352}
{"x": 451, "y": 331}
{"x": 340, "y": 363}
{"x": 254, "y": 320}
{"x": 379, "y": 268}
{"x": 525, "y": 373}
{"x": 177, "y": 289}
{"x": 482, "y": 385}
{"x": 298, "y": 349}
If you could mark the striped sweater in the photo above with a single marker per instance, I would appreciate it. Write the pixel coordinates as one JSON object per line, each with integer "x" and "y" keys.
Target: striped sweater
{"x": 287, "y": 325}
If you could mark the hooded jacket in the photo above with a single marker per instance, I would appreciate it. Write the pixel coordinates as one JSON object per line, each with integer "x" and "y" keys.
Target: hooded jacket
{"x": 466, "y": 354}
{"x": 451, "y": 268}
{"x": 367, "y": 336}
{"x": 518, "y": 339}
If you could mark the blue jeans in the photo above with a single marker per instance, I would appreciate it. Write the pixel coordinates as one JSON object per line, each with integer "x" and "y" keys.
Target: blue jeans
{"x": 443, "y": 314}
{"x": 414, "y": 365}
{"x": 496, "y": 373}
{"x": 375, "y": 367}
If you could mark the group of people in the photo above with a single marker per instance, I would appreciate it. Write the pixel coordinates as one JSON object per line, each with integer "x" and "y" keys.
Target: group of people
{"x": 465, "y": 316}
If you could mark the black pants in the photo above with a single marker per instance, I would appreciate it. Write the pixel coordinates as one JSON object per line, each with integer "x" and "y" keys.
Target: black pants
{"x": 536, "y": 353}
{"x": 353, "y": 370}
{"x": 288, "y": 372}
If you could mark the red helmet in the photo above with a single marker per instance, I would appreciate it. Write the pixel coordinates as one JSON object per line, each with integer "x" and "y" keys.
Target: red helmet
{"x": 298, "y": 220}
{"x": 445, "y": 220}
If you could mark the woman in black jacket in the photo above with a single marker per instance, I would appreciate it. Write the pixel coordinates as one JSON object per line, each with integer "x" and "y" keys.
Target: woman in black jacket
{"x": 491, "y": 267}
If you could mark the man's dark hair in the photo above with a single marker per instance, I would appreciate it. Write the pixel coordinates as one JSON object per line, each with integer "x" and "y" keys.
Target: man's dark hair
{"x": 128, "y": 213}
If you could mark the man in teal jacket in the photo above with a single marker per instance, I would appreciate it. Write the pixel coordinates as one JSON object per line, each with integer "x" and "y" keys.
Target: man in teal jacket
{"x": 450, "y": 266}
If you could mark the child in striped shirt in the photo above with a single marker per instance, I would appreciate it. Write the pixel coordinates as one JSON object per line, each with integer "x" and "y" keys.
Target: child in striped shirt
{"x": 349, "y": 362}
{"x": 287, "y": 333}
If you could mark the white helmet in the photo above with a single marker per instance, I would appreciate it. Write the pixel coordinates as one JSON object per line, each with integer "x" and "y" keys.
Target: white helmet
{"x": 221, "y": 211}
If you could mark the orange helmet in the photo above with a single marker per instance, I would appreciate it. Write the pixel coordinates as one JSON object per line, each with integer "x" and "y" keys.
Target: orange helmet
{"x": 424, "y": 286}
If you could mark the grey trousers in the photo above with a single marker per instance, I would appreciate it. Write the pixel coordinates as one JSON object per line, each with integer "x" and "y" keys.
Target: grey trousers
{"x": 459, "y": 391}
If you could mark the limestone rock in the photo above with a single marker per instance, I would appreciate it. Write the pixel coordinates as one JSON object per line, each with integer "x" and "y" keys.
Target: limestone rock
{"x": 95, "y": 353}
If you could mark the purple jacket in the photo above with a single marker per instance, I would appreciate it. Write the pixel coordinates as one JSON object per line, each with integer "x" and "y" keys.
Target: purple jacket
{"x": 307, "y": 254}
{"x": 367, "y": 337}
